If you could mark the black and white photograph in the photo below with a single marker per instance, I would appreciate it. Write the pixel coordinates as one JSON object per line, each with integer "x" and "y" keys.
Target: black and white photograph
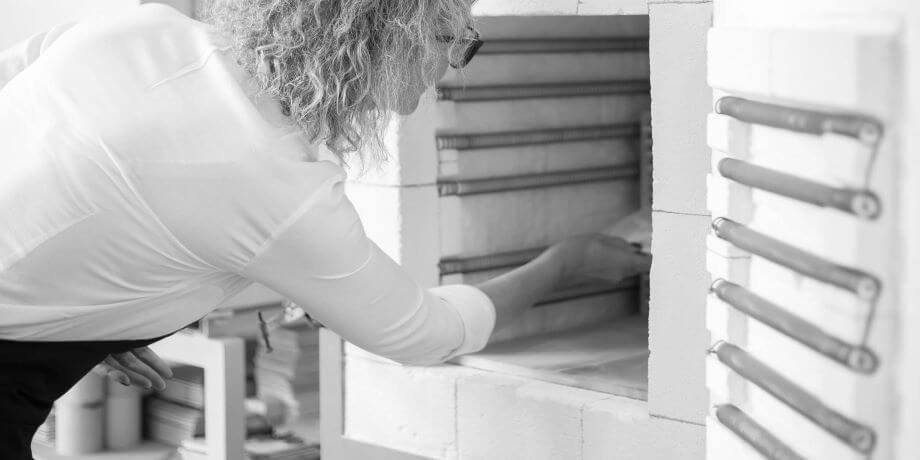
{"x": 459, "y": 230}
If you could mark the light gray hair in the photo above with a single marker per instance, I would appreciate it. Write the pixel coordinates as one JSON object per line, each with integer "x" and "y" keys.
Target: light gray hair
{"x": 338, "y": 65}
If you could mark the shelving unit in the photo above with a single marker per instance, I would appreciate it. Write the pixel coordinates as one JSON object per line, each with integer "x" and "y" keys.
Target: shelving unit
{"x": 223, "y": 362}
{"x": 224, "y": 380}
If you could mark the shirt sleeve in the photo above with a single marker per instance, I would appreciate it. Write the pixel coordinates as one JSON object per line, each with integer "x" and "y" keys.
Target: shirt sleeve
{"x": 322, "y": 260}
{"x": 15, "y": 59}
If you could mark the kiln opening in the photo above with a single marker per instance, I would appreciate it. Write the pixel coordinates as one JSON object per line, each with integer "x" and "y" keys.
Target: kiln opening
{"x": 546, "y": 134}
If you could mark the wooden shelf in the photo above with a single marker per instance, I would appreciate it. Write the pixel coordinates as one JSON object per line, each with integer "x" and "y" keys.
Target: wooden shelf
{"x": 611, "y": 357}
{"x": 224, "y": 381}
{"x": 147, "y": 450}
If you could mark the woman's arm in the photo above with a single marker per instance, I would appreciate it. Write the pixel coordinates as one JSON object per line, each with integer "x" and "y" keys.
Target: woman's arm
{"x": 324, "y": 262}
{"x": 515, "y": 292}
{"x": 576, "y": 260}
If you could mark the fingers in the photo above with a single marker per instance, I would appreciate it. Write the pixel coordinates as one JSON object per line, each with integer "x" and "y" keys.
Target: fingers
{"x": 120, "y": 377}
{"x": 101, "y": 369}
{"x": 140, "y": 366}
{"x": 635, "y": 259}
{"x": 622, "y": 244}
{"x": 617, "y": 242}
{"x": 632, "y": 259}
{"x": 124, "y": 375}
{"x": 134, "y": 367}
{"x": 106, "y": 370}
{"x": 641, "y": 262}
{"x": 599, "y": 257}
{"x": 156, "y": 363}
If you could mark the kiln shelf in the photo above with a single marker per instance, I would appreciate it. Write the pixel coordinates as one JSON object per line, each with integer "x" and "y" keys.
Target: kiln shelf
{"x": 611, "y": 357}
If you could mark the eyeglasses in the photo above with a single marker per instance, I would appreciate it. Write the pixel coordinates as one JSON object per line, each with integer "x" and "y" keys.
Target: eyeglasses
{"x": 472, "y": 43}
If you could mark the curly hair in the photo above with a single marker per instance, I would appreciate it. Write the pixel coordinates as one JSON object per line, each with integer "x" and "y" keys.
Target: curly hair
{"x": 338, "y": 65}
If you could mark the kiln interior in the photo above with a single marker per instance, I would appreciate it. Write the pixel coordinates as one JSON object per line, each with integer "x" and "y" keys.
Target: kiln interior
{"x": 544, "y": 135}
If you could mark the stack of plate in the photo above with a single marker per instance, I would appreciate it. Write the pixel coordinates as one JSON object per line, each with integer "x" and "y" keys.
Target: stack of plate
{"x": 290, "y": 372}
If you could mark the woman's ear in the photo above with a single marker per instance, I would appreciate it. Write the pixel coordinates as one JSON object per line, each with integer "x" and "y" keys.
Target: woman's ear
{"x": 263, "y": 71}
{"x": 267, "y": 66}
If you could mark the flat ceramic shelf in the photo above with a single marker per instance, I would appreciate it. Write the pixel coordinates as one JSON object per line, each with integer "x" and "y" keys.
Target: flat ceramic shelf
{"x": 559, "y": 7}
{"x": 147, "y": 450}
{"x": 611, "y": 357}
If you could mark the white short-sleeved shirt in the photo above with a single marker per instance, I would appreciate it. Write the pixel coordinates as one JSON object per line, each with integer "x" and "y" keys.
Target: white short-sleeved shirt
{"x": 143, "y": 181}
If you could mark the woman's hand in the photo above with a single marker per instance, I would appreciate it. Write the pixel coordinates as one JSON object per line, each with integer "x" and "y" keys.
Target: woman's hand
{"x": 140, "y": 366}
{"x": 598, "y": 258}
{"x": 575, "y": 260}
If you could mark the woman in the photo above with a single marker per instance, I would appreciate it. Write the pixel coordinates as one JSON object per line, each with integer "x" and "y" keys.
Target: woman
{"x": 152, "y": 166}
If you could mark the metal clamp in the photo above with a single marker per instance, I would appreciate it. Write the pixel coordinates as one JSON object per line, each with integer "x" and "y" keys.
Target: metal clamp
{"x": 860, "y": 283}
{"x": 856, "y": 435}
{"x": 862, "y": 203}
{"x": 800, "y": 120}
{"x": 754, "y": 433}
{"x": 858, "y": 358}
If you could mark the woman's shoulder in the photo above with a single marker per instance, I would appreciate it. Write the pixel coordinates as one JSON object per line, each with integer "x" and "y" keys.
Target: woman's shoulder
{"x": 158, "y": 21}
{"x": 144, "y": 17}
{"x": 151, "y": 27}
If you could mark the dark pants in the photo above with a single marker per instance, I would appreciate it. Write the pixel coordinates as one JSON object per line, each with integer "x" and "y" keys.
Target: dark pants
{"x": 34, "y": 374}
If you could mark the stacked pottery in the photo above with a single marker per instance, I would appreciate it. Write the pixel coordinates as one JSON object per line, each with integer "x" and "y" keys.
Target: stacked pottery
{"x": 80, "y": 417}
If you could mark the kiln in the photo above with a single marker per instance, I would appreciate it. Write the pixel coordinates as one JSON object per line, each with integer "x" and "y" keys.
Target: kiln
{"x": 791, "y": 271}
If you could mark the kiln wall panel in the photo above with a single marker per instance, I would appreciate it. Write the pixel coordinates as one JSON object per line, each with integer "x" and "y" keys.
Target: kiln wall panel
{"x": 522, "y": 114}
{"x": 677, "y": 331}
{"x": 536, "y": 159}
{"x": 500, "y": 222}
{"x": 680, "y": 101}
